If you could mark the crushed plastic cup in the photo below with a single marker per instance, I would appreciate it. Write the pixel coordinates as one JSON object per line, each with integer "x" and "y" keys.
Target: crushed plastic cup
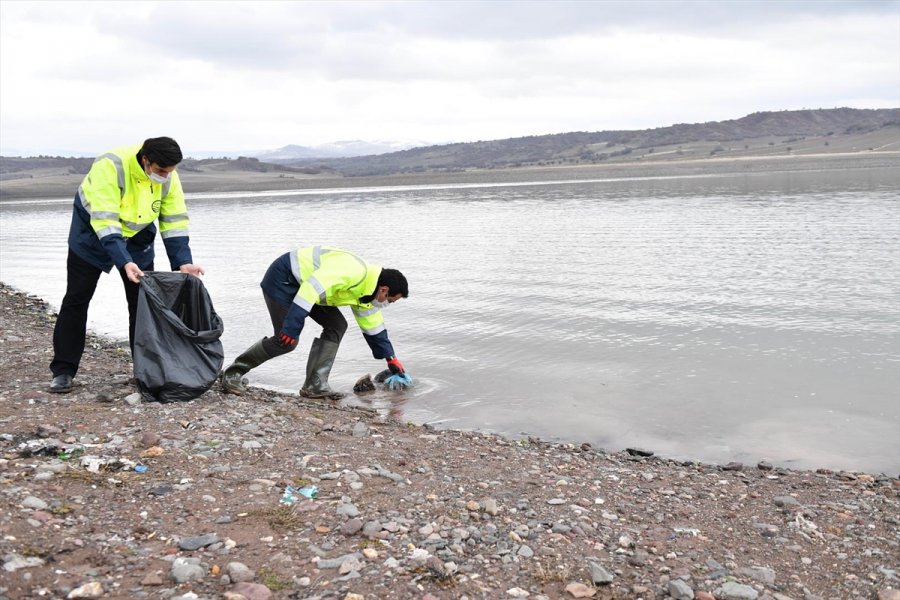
{"x": 140, "y": 468}
{"x": 310, "y": 491}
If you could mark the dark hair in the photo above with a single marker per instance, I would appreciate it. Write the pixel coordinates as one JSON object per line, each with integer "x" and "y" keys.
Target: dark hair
{"x": 395, "y": 281}
{"x": 163, "y": 151}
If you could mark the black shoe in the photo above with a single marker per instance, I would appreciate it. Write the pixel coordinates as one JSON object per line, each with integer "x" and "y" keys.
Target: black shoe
{"x": 61, "y": 384}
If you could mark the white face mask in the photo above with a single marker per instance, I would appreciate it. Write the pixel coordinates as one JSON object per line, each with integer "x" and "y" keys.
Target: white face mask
{"x": 378, "y": 304}
{"x": 155, "y": 178}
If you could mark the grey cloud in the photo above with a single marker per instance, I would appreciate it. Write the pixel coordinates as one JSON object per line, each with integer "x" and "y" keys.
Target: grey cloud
{"x": 497, "y": 20}
{"x": 301, "y": 35}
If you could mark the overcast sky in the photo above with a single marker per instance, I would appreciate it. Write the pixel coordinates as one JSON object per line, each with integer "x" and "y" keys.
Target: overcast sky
{"x": 244, "y": 76}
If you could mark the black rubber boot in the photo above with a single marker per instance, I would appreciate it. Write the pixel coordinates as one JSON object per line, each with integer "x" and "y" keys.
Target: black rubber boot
{"x": 318, "y": 368}
{"x": 252, "y": 357}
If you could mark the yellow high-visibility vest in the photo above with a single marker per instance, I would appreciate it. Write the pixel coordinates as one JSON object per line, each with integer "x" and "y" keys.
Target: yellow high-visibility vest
{"x": 120, "y": 198}
{"x": 334, "y": 277}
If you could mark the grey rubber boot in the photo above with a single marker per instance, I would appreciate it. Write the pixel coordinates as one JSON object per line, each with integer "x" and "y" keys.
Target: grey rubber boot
{"x": 318, "y": 368}
{"x": 252, "y": 357}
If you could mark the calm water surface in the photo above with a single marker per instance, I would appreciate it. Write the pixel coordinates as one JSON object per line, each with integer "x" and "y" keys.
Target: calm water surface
{"x": 715, "y": 318}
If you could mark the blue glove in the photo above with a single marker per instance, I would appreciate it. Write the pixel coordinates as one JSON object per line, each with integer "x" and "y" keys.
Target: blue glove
{"x": 399, "y": 381}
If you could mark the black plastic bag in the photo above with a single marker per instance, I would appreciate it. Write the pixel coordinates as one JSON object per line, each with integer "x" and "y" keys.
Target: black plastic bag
{"x": 177, "y": 352}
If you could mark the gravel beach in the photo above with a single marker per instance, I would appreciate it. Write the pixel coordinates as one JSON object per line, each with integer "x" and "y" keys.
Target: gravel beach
{"x": 105, "y": 496}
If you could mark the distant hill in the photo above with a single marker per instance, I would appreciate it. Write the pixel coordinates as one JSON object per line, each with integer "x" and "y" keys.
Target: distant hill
{"x": 775, "y": 129}
{"x": 18, "y": 167}
{"x": 344, "y": 148}
{"x": 762, "y": 134}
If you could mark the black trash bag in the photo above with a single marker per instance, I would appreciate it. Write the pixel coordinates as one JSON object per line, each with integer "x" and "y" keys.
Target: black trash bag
{"x": 177, "y": 352}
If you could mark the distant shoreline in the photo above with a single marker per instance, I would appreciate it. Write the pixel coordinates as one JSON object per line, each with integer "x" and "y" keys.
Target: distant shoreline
{"x": 64, "y": 186}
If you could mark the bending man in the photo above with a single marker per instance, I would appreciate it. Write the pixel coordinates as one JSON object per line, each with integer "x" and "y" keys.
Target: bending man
{"x": 313, "y": 282}
{"x": 124, "y": 193}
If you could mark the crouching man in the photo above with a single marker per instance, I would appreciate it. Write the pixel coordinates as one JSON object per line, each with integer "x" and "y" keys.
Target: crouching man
{"x": 313, "y": 282}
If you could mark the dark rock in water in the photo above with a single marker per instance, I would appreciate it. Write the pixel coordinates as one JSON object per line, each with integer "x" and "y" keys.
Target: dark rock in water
{"x": 364, "y": 384}
{"x": 733, "y": 466}
{"x": 638, "y": 452}
{"x": 382, "y": 376}
{"x": 764, "y": 466}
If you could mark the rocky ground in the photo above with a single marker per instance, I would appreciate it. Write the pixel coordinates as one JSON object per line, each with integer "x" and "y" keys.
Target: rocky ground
{"x": 105, "y": 496}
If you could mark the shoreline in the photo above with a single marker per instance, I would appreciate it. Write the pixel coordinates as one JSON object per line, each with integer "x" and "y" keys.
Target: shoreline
{"x": 402, "y": 511}
{"x": 63, "y": 186}
{"x": 121, "y": 344}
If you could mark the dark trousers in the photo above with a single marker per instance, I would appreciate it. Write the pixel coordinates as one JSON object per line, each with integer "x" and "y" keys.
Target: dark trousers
{"x": 71, "y": 324}
{"x": 333, "y": 323}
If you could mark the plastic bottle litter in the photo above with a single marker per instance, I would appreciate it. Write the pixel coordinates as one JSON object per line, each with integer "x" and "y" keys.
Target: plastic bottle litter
{"x": 293, "y": 494}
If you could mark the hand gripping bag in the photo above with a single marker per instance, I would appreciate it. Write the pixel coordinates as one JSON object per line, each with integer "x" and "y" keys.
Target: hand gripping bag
{"x": 177, "y": 352}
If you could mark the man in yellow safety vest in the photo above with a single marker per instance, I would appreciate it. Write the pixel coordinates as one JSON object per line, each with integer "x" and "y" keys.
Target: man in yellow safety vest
{"x": 314, "y": 282}
{"x": 126, "y": 191}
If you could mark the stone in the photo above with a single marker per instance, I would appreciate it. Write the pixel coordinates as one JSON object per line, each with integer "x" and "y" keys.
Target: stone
{"x": 91, "y": 589}
{"x": 14, "y": 562}
{"x": 490, "y": 506}
{"x": 679, "y": 590}
{"x": 352, "y": 526}
{"x": 239, "y": 572}
{"x": 731, "y": 590}
{"x": 197, "y": 542}
{"x": 364, "y": 384}
{"x": 785, "y": 501}
{"x": 149, "y": 439}
{"x": 761, "y": 574}
{"x": 579, "y": 590}
{"x": 186, "y": 569}
{"x": 599, "y": 575}
{"x": 639, "y": 452}
{"x": 252, "y": 591}
{"x": 34, "y": 503}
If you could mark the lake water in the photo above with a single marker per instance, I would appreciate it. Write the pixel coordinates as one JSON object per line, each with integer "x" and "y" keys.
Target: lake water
{"x": 742, "y": 317}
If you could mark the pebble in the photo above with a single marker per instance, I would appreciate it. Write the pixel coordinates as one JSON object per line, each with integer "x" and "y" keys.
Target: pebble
{"x": 579, "y": 590}
{"x": 351, "y": 526}
{"x": 347, "y": 510}
{"x": 186, "y": 569}
{"x": 238, "y": 572}
{"x": 34, "y": 503}
{"x": 731, "y": 590}
{"x": 334, "y": 563}
{"x": 252, "y": 591}
{"x": 197, "y": 542}
{"x": 599, "y": 575}
{"x": 92, "y": 589}
{"x": 679, "y": 590}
